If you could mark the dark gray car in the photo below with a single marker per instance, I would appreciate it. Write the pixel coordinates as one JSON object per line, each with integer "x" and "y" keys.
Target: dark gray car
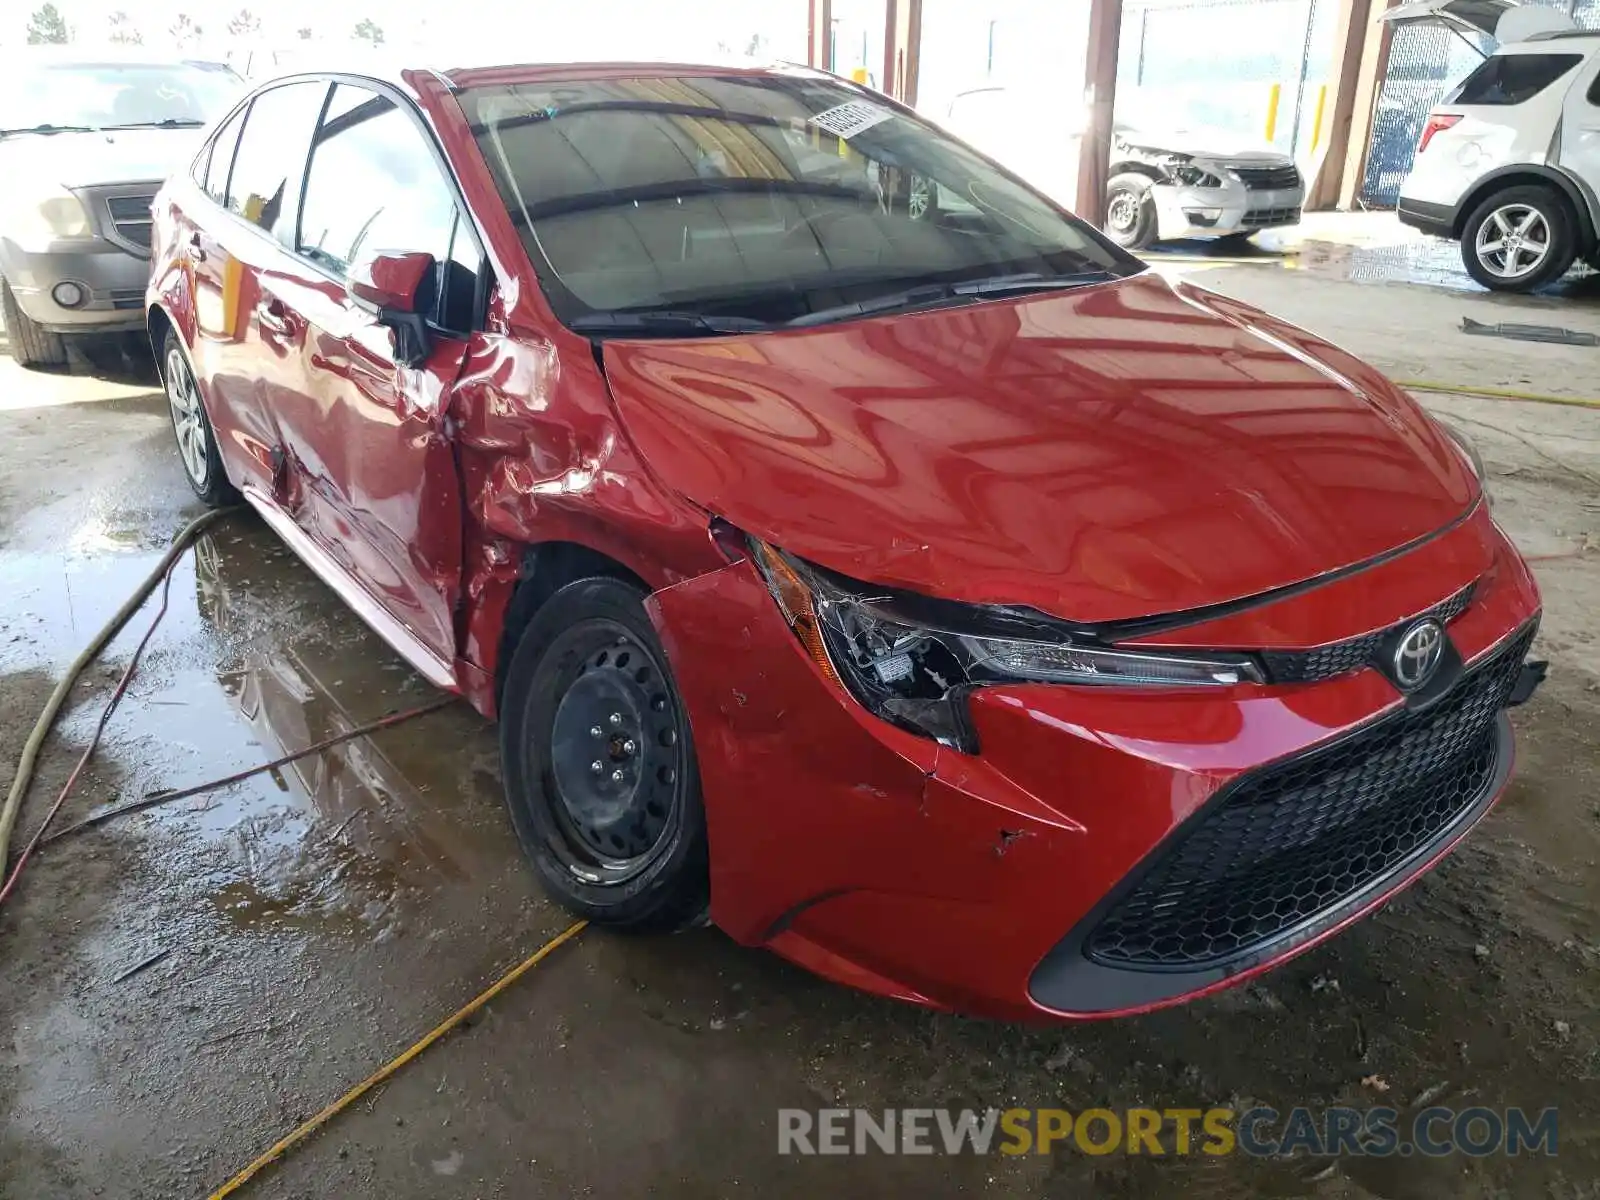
{"x": 85, "y": 143}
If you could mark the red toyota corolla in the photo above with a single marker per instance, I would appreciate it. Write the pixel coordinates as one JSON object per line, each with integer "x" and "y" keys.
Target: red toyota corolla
{"x": 857, "y": 550}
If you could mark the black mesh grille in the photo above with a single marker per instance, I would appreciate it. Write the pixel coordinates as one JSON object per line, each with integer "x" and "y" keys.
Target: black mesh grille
{"x": 1260, "y": 218}
{"x": 1262, "y": 178}
{"x": 131, "y": 217}
{"x": 1308, "y": 666}
{"x": 1296, "y": 839}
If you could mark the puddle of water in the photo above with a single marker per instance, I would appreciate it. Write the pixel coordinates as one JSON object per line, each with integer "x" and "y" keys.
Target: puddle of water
{"x": 256, "y": 659}
{"x": 1434, "y": 262}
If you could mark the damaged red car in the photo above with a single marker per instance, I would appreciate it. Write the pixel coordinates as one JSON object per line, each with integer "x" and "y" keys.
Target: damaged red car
{"x": 857, "y": 550}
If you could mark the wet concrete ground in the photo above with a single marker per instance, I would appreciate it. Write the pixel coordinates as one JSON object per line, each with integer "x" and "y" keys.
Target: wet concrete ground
{"x": 317, "y": 921}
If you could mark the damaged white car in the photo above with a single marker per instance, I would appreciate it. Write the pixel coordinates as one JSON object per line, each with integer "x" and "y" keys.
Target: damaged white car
{"x": 1164, "y": 183}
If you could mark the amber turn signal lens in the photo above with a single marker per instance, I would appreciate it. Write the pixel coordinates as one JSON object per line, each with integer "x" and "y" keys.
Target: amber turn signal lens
{"x": 794, "y": 601}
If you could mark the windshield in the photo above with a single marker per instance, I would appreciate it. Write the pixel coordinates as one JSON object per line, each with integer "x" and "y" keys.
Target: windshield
{"x": 113, "y": 95}
{"x": 760, "y": 197}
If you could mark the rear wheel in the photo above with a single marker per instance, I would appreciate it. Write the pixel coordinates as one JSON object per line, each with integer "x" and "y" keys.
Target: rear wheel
{"x": 1519, "y": 239}
{"x": 1130, "y": 211}
{"x": 31, "y": 346}
{"x": 600, "y": 771}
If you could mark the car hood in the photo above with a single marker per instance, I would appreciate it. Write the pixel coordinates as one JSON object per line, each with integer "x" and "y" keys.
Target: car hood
{"x": 1102, "y": 454}
{"x": 1203, "y": 143}
{"x": 90, "y": 159}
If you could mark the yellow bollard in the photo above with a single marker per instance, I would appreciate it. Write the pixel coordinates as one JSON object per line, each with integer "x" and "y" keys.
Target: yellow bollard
{"x": 1273, "y": 97}
{"x": 1316, "y": 121}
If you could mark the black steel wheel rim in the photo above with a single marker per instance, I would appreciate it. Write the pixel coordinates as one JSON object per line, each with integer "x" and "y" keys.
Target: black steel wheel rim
{"x": 617, "y": 748}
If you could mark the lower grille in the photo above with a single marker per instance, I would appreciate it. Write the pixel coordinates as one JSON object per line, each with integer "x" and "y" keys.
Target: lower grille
{"x": 130, "y": 217}
{"x": 127, "y": 297}
{"x": 1260, "y": 218}
{"x": 1298, "y": 838}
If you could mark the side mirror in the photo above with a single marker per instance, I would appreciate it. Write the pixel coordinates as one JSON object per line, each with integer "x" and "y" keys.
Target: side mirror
{"x": 387, "y": 283}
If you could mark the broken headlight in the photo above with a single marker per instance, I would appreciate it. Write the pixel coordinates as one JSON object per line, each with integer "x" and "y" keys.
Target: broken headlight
{"x": 911, "y": 659}
{"x": 1184, "y": 171}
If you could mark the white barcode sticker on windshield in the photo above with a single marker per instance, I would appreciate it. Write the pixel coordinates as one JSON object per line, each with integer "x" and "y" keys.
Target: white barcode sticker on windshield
{"x": 851, "y": 118}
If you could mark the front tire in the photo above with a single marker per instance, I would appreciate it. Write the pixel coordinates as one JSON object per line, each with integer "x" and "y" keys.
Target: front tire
{"x": 197, "y": 442}
{"x": 600, "y": 772}
{"x": 31, "y": 346}
{"x": 1130, "y": 211}
{"x": 1519, "y": 239}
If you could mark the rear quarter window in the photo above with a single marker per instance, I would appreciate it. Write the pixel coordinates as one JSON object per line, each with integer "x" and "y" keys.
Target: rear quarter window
{"x": 1513, "y": 78}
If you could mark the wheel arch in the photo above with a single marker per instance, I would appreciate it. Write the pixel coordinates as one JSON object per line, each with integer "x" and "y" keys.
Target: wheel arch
{"x": 1582, "y": 202}
{"x": 545, "y": 568}
{"x": 1130, "y": 167}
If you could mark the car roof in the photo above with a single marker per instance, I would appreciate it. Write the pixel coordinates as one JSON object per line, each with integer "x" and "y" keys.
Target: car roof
{"x": 402, "y": 70}
{"x": 1541, "y": 41}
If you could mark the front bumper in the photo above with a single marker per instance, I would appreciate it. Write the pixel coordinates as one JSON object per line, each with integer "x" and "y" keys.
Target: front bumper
{"x": 980, "y": 882}
{"x": 1196, "y": 212}
{"x": 113, "y": 278}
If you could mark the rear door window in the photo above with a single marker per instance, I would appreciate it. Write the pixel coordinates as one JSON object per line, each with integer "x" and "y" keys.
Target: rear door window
{"x": 1513, "y": 78}
{"x": 222, "y": 148}
{"x": 264, "y": 187}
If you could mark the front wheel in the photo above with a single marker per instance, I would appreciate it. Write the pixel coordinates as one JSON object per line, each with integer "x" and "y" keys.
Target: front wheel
{"x": 1130, "y": 211}
{"x": 1519, "y": 239}
{"x": 600, "y": 771}
{"x": 30, "y": 344}
{"x": 197, "y": 443}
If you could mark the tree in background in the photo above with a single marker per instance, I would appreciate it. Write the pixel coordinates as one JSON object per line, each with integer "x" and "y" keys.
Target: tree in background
{"x": 123, "y": 32}
{"x": 245, "y": 24}
{"x": 368, "y": 30}
{"x": 184, "y": 31}
{"x": 46, "y": 27}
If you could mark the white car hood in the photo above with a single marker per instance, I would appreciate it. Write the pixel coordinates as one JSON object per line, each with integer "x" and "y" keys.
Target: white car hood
{"x": 87, "y": 159}
{"x": 1202, "y": 142}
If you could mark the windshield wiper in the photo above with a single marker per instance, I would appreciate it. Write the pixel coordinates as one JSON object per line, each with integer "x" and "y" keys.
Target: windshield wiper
{"x": 935, "y": 295}
{"x": 46, "y": 129}
{"x": 164, "y": 123}
{"x": 1010, "y": 285}
{"x": 663, "y": 323}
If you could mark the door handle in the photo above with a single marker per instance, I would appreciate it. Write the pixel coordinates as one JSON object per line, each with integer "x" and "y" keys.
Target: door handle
{"x": 275, "y": 318}
{"x": 197, "y": 248}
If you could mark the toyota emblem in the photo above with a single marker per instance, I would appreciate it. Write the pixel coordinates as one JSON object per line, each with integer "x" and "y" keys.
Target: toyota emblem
{"x": 1417, "y": 656}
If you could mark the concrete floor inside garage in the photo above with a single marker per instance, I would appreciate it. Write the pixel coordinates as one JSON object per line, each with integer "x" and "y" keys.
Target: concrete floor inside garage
{"x": 319, "y": 920}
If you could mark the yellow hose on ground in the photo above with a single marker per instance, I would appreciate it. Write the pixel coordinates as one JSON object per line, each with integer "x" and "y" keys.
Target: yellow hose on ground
{"x": 307, "y": 1128}
{"x": 1456, "y": 389}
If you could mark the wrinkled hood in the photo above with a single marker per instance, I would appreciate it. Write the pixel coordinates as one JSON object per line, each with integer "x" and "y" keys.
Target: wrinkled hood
{"x": 1201, "y": 142}
{"x": 1106, "y": 453}
{"x": 87, "y": 159}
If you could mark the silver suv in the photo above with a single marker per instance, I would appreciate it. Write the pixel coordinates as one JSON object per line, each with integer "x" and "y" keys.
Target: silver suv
{"x": 84, "y": 145}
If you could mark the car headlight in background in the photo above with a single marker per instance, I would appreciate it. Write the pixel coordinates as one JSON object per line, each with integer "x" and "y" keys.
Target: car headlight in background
{"x": 911, "y": 660}
{"x": 1192, "y": 176}
{"x": 35, "y": 220}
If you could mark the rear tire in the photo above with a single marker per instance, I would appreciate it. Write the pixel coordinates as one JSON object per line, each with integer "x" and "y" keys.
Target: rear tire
{"x": 1519, "y": 239}
{"x": 1130, "y": 211}
{"x": 600, "y": 773}
{"x": 31, "y": 346}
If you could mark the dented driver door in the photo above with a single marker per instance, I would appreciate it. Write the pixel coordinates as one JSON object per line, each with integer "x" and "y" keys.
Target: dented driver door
{"x": 370, "y": 474}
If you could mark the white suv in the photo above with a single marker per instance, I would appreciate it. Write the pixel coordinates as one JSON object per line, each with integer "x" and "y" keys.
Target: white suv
{"x": 1509, "y": 163}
